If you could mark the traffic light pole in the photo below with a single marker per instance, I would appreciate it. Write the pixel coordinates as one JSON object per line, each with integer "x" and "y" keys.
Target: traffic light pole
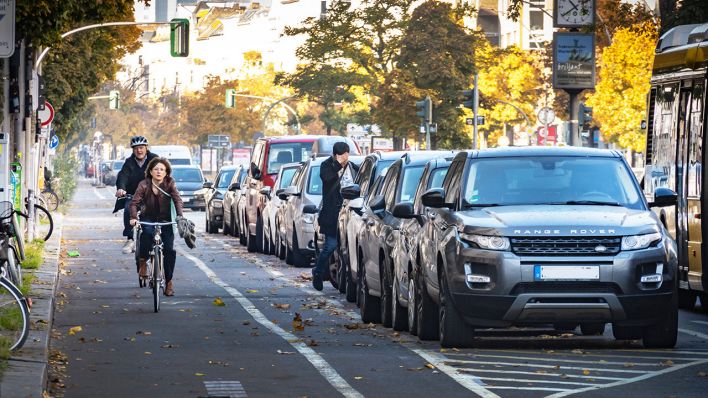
{"x": 475, "y": 110}
{"x": 427, "y": 135}
{"x": 573, "y": 125}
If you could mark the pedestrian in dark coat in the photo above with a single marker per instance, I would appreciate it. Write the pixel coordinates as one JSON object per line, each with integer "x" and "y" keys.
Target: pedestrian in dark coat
{"x": 331, "y": 173}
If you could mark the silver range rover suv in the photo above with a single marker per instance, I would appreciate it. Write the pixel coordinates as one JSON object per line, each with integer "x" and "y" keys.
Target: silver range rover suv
{"x": 561, "y": 236}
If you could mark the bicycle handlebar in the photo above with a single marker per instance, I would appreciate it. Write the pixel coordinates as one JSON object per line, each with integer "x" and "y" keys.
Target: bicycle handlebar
{"x": 155, "y": 224}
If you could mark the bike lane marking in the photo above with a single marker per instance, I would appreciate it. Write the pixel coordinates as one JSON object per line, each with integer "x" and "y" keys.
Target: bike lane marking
{"x": 324, "y": 368}
{"x": 694, "y": 334}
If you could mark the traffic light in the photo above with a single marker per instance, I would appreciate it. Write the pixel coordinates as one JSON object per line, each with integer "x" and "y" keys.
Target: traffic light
{"x": 468, "y": 99}
{"x": 230, "y": 101}
{"x": 179, "y": 37}
{"x": 585, "y": 117}
{"x": 114, "y": 99}
{"x": 425, "y": 109}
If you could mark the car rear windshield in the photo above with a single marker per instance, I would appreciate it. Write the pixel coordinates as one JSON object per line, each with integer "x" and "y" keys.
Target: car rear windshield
{"x": 289, "y": 152}
{"x": 187, "y": 175}
{"x": 180, "y": 162}
{"x": 550, "y": 180}
{"x": 287, "y": 177}
{"x": 411, "y": 178}
{"x": 315, "y": 185}
{"x": 225, "y": 178}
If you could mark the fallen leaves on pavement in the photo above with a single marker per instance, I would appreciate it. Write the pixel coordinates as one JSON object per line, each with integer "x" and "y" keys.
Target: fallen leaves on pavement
{"x": 74, "y": 330}
{"x": 298, "y": 326}
{"x": 219, "y": 302}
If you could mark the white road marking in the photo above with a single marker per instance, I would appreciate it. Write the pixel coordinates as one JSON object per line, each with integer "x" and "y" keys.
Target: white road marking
{"x": 468, "y": 381}
{"x": 701, "y": 322}
{"x": 540, "y": 381}
{"x": 527, "y": 388}
{"x": 631, "y": 380}
{"x": 518, "y": 372}
{"x": 694, "y": 334}
{"x": 601, "y": 362}
{"x": 98, "y": 194}
{"x": 325, "y": 369}
{"x": 533, "y": 365}
{"x": 587, "y": 354}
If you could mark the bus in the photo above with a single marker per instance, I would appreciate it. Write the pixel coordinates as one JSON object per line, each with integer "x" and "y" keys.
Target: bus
{"x": 675, "y": 152}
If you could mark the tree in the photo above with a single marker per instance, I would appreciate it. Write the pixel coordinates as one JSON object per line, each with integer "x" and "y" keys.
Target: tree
{"x": 437, "y": 57}
{"x": 615, "y": 14}
{"x": 682, "y": 12}
{"x": 619, "y": 100}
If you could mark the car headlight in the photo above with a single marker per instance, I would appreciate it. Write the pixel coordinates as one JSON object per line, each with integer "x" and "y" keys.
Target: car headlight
{"x": 636, "y": 242}
{"x": 308, "y": 218}
{"x": 487, "y": 242}
{"x": 217, "y": 204}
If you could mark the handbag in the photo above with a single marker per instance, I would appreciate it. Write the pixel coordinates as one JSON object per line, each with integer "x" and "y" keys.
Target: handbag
{"x": 173, "y": 211}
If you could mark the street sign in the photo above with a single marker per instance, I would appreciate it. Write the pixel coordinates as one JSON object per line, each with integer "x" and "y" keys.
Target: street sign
{"x": 469, "y": 121}
{"x": 546, "y": 115}
{"x": 218, "y": 141}
{"x": 7, "y": 28}
{"x": 53, "y": 141}
{"x": 46, "y": 115}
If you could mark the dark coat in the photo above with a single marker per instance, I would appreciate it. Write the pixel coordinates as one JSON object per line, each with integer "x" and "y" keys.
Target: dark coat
{"x": 130, "y": 176}
{"x": 155, "y": 206}
{"x": 331, "y": 197}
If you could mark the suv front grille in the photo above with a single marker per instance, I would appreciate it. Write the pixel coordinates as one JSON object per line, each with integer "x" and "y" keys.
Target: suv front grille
{"x": 566, "y": 287}
{"x": 566, "y": 246}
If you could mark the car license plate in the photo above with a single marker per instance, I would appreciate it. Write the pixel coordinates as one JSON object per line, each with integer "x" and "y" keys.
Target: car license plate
{"x": 186, "y": 200}
{"x": 566, "y": 272}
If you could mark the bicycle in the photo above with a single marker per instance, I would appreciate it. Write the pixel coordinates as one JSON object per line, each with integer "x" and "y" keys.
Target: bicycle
{"x": 155, "y": 263}
{"x": 11, "y": 254}
{"x": 42, "y": 214}
{"x": 50, "y": 197}
{"x": 14, "y": 307}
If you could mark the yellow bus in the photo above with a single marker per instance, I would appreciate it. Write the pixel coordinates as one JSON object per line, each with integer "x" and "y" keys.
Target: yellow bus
{"x": 675, "y": 153}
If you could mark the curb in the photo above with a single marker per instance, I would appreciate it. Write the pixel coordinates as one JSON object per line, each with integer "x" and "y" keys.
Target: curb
{"x": 26, "y": 373}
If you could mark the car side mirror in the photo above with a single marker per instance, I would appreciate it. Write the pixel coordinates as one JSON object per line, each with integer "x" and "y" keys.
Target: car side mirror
{"x": 255, "y": 171}
{"x": 377, "y": 203}
{"x": 356, "y": 205}
{"x": 292, "y": 191}
{"x": 350, "y": 191}
{"x": 664, "y": 197}
{"x": 266, "y": 191}
{"x": 208, "y": 184}
{"x": 434, "y": 197}
{"x": 309, "y": 209}
{"x": 234, "y": 187}
{"x": 403, "y": 210}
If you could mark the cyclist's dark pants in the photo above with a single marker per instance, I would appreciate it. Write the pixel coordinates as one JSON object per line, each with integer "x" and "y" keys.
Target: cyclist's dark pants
{"x": 127, "y": 228}
{"x": 168, "y": 251}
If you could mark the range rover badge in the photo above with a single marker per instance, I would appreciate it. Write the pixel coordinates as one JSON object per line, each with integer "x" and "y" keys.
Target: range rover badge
{"x": 600, "y": 249}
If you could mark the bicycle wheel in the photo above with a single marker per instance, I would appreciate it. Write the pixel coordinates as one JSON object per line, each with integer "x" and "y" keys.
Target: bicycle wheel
{"x": 45, "y": 217}
{"x": 19, "y": 240}
{"x": 13, "y": 267}
{"x": 156, "y": 280}
{"x": 51, "y": 199}
{"x": 14, "y": 316}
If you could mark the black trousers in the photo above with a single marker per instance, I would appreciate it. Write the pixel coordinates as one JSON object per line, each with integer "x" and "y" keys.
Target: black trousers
{"x": 168, "y": 246}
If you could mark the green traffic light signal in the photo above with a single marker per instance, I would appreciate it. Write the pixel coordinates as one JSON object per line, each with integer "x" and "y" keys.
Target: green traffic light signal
{"x": 179, "y": 37}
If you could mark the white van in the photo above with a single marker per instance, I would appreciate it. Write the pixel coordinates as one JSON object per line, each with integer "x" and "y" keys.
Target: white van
{"x": 178, "y": 155}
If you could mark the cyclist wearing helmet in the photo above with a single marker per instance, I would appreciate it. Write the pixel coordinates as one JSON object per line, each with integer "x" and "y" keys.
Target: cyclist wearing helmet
{"x": 127, "y": 181}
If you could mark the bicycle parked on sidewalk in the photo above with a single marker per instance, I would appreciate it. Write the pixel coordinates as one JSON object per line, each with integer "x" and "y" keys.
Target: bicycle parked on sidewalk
{"x": 50, "y": 197}
{"x": 14, "y": 307}
{"x": 155, "y": 263}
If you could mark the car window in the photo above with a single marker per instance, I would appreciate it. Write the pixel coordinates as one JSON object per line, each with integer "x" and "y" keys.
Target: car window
{"x": 411, "y": 179}
{"x": 222, "y": 181}
{"x": 390, "y": 184}
{"x": 315, "y": 185}
{"x": 550, "y": 180}
{"x": 257, "y": 156}
{"x": 180, "y": 162}
{"x": 376, "y": 189}
{"x": 437, "y": 177}
{"x": 118, "y": 165}
{"x": 288, "y": 152}
{"x": 286, "y": 177}
{"x": 364, "y": 177}
{"x": 187, "y": 175}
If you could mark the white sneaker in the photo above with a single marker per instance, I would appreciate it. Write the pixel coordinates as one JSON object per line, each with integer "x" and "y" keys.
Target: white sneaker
{"x": 129, "y": 247}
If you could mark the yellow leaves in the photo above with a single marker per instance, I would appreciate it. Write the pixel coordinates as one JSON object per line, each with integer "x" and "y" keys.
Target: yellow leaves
{"x": 218, "y": 302}
{"x": 298, "y": 326}
{"x": 74, "y": 330}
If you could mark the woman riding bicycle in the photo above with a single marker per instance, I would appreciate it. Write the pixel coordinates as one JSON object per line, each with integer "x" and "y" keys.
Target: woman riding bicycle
{"x": 154, "y": 194}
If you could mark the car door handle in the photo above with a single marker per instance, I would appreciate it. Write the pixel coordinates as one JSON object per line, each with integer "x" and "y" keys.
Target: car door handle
{"x": 370, "y": 223}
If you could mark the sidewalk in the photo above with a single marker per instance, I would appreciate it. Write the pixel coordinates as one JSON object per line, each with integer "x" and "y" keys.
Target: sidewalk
{"x": 26, "y": 374}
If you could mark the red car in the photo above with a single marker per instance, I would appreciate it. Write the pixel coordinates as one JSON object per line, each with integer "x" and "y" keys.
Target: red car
{"x": 269, "y": 153}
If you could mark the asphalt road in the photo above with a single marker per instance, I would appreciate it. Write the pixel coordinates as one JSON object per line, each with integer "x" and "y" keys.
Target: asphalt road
{"x": 251, "y": 346}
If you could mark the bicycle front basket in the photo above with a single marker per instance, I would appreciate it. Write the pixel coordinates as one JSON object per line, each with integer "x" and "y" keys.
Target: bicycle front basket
{"x": 6, "y": 210}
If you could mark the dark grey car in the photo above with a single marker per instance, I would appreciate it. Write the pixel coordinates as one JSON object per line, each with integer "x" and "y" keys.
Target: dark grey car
{"x": 558, "y": 236}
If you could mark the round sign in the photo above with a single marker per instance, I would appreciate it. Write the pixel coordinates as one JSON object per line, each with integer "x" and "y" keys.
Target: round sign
{"x": 53, "y": 141}
{"x": 47, "y": 115}
{"x": 546, "y": 115}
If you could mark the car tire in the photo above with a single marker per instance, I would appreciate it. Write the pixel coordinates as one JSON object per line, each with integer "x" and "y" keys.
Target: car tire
{"x": 280, "y": 245}
{"x": 626, "y": 332}
{"x": 227, "y": 228}
{"x": 341, "y": 271}
{"x": 259, "y": 234}
{"x": 686, "y": 299}
{"x": 369, "y": 306}
{"x": 592, "y": 329}
{"x": 412, "y": 310}
{"x": 399, "y": 315}
{"x": 250, "y": 239}
{"x": 454, "y": 331}
{"x": 426, "y": 310}
{"x": 266, "y": 242}
{"x": 234, "y": 227}
{"x": 242, "y": 234}
{"x": 351, "y": 288}
{"x": 664, "y": 333}
{"x": 386, "y": 288}
{"x": 288, "y": 253}
{"x": 299, "y": 260}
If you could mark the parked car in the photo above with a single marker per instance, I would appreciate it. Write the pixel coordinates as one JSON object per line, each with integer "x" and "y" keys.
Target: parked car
{"x": 189, "y": 179}
{"x": 348, "y": 178}
{"x": 546, "y": 235}
{"x": 271, "y": 239}
{"x": 303, "y": 197}
{"x": 405, "y": 249}
{"x": 269, "y": 153}
{"x": 349, "y": 220}
{"x": 178, "y": 155}
{"x": 233, "y": 194}
{"x": 378, "y": 235}
{"x": 116, "y": 166}
{"x": 214, "y": 198}
{"x": 281, "y": 251}
{"x": 106, "y": 173}
{"x": 324, "y": 145}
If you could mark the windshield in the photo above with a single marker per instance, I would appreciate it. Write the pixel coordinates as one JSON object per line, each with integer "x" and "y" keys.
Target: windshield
{"x": 290, "y": 152}
{"x": 550, "y": 180}
{"x": 118, "y": 165}
{"x": 180, "y": 162}
{"x": 225, "y": 178}
{"x": 286, "y": 177}
{"x": 315, "y": 185}
{"x": 411, "y": 178}
{"x": 436, "y": 178}
{"x": 187, "y": 175}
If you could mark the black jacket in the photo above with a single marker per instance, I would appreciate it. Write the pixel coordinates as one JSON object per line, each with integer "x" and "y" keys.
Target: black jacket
{"x": 331, "y": 197}
{"x": 130, "y": 176}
